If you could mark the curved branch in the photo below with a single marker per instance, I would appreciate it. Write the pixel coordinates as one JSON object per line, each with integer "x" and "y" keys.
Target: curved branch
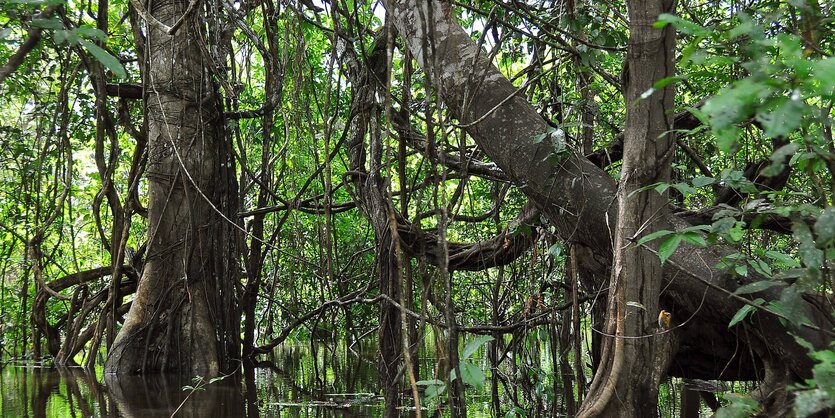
{"x": 500, "y": 250}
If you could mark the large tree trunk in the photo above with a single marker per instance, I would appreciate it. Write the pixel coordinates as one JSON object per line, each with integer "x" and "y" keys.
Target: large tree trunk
{"x": 183, "y": 318}
{"x": 637, "y": 352}
{"x": 578, "y": 198}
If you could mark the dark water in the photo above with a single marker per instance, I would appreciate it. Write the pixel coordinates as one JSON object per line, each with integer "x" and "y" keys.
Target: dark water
{"x": 340, "y": 383}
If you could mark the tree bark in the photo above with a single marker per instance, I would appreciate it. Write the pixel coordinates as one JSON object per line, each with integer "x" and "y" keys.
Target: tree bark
{"x": 637, "y": 352}
{"x": 183, "y": 319}
{"x": 369, "y": 192}
{"x": 578, "y": 198}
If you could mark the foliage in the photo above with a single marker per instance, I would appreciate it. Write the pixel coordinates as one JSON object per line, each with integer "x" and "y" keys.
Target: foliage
{"x": 739, "y": 406}
{"x": 471, "y": 374}
{"x": 818, "y": 393}
{"x": 789, "y": 96}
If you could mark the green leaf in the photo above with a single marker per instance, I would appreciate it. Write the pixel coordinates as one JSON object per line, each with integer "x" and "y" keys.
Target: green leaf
{"x": 824, "y": 74}
{"x": 668, "y": 247}
{"x": 701, "y": 116}
{"x": 433, "y": 387}
{"x": 634, "y": 304}
{"x": 662, "y": 187}
{"x": 810, "y": 402}
{"x": 778, "y": 159}
{"x": 684, "y": 188}
{"x": 104, "y": 58}
{"x": 694, "y": 238}
{"x": 736, "y": 233}
{"x": 756, "y": 287}
{"x": 68, "y": 36}
{"x": 791, "y": 274}
{"x": 803, "y": 343}
{"x": 726, "y": 138}
{"x": 515, "y": 412}
{"x": 431, "y": 382}
{"x": 472, "y": 375}
{"x": 762, "y": 267}
{"x": 825, "y": 226}
{"x": 732, "y": 106}
{"x": 683, "y": 26}
{"x": 662, "y": 21}
{"x": 785, "y": 118}
{"x": 746, "y": 27}
{"x": 50, "y": 23}
{"x": 654, "y": 235}
{"x": 90, "y": 32}
{"x": 695, "y": 228}
{"x": 555, "y": 158}
{"x": 743, "y": 312}
{"x": 791, "y": 304}
{"x": 702, "y": 181}
{"x": 474, "y": 345}
{"x": 811, "y": 256}
{"x": 666, "y": 81}
{"x": 555, "y": 251}
{"x": 740, "y": 406}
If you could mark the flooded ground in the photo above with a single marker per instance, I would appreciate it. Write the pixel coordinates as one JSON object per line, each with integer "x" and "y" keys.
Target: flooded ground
{"x": 342, "y": 383}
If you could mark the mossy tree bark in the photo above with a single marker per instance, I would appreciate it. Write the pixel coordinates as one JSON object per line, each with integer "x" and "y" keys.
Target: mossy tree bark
{"x": 183, "y": 318}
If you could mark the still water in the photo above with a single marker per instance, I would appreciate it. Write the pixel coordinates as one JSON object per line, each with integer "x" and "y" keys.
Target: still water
{"x": 341, "y": 383}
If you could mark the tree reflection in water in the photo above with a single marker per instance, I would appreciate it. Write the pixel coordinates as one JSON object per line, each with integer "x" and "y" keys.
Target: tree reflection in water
{"x": 336, "y": 385}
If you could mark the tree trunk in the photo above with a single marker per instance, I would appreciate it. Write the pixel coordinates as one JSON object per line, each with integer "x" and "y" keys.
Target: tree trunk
{"x": 183, "y": 318}
{"x": 578, "y": 199}
{"x": 637, "y": 352}
{"x": 369, "y": 192}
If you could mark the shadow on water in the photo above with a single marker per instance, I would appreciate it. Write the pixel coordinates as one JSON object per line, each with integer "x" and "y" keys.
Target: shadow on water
{"x": 301, "y": 382}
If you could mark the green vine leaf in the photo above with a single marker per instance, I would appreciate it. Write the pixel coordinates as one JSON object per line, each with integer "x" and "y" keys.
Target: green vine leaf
{"x": 104, "y": 57}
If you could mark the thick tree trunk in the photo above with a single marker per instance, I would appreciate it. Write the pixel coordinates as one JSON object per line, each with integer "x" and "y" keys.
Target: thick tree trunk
{"x": 183, "y": 319}
{"x": 637, "y": 352}
{"x": 579, "y": 200}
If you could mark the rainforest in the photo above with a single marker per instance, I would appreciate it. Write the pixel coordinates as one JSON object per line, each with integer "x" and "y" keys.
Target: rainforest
{"x": 417, "y": 208}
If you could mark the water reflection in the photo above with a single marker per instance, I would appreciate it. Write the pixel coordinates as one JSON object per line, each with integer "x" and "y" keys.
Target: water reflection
{"x": 301, "y": 381}
{"x": 316, "y": 381}
{"x": 162, "y": 396}
{"x": 39, "y": 392}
